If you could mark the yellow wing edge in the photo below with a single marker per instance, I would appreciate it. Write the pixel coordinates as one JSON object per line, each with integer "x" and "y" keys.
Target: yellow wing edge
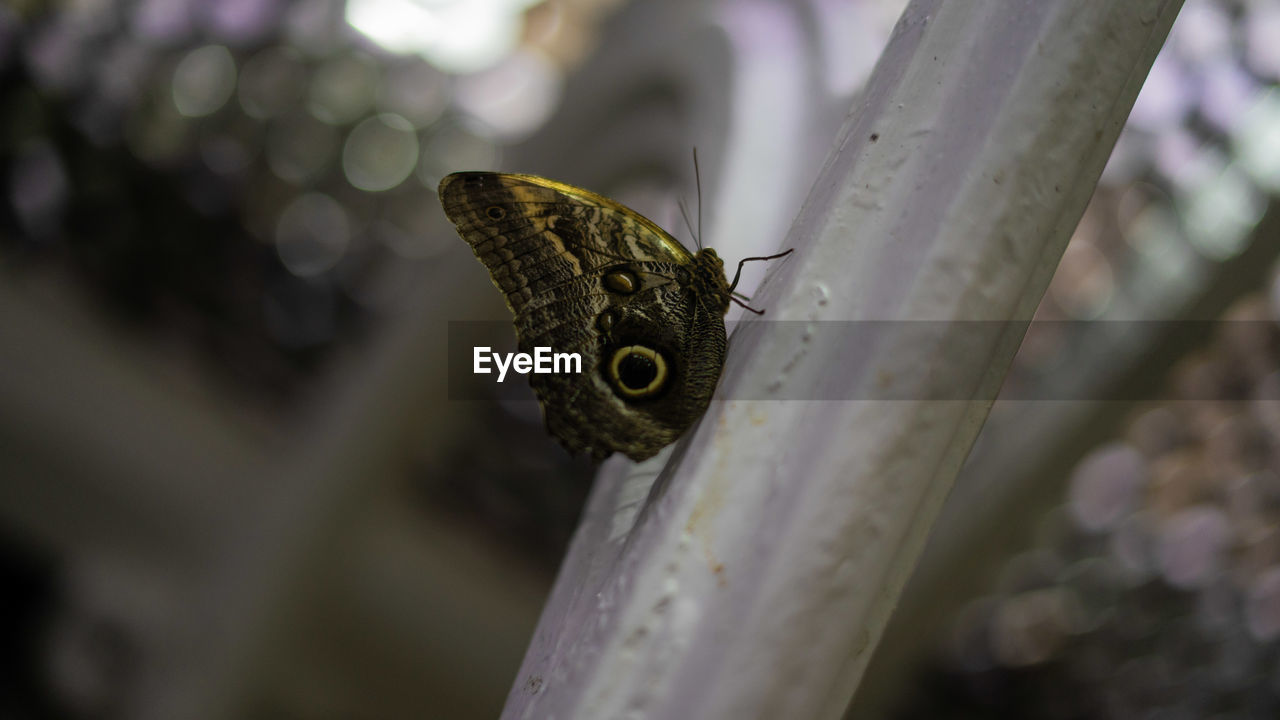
{"x": 586, "y": 196}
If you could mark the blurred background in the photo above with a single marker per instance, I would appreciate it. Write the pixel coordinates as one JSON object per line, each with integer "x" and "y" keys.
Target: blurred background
{"x": 232, "y": 479}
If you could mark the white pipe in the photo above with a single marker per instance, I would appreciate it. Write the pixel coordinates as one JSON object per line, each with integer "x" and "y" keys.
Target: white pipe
{"x": 765, "y": 562}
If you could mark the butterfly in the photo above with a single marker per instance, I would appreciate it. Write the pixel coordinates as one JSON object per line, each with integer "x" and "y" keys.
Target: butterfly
{"x": 584, "y": 274}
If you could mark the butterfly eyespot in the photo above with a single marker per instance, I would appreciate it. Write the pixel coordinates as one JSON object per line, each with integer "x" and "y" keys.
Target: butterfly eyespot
{"x": 495, "y": 212}
{"x": 622, "y": 282}
{"x": 606, "y": 320}
{"x": 638, "y": 371}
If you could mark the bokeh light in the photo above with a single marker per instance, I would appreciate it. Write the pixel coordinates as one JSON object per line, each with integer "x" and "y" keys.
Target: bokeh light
{"x": 162, "y": 21}
{"x": 380, "y": 153}
{"x": 1191, "y": 546}
{"x": 343, "y": 88}
{"x": 312, "y": 234}
{"x": 1105, "y": 486}
{"x": 40, "y": 186}
{"x": 1084, "y": 284}
{"x": 204, "y": 81}
{"x": 1261, "y": 29}
{"x": 416, "y": 91}
{"x": 1258, "y": 142}
{"x": 514, "y": 98}
{"x": 300, "y": 148}
{"x": 1221, "y": 216}
{"x": 458, "y": 36}
{"x": 272, "y": 81}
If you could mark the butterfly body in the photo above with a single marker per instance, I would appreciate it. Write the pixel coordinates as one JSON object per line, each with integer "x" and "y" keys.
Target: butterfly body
{"x": 584, "y": 274}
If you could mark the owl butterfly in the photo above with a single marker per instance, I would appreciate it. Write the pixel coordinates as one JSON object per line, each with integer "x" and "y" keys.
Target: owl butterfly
{"x": 583, "y": 274}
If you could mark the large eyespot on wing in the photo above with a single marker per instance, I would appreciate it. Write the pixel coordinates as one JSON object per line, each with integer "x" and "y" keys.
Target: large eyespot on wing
{"x": 534, "y": 234}
{"x": 649, "y": 372}
{"x": 637, "y": 371}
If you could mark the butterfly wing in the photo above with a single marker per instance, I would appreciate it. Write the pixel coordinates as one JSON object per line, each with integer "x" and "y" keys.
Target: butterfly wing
{"x": 584, "y": 274}
{"x": 534, "y": 234}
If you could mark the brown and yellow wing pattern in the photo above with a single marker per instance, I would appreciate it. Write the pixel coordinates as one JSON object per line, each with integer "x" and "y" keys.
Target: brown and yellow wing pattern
{"x": 584, "y": 274}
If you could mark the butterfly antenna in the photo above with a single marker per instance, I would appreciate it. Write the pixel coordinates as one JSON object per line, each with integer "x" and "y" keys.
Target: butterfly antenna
{"x": 744, "y": 261}
{"x": 697, "y": 180}
{"x": 685, "y": 212}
